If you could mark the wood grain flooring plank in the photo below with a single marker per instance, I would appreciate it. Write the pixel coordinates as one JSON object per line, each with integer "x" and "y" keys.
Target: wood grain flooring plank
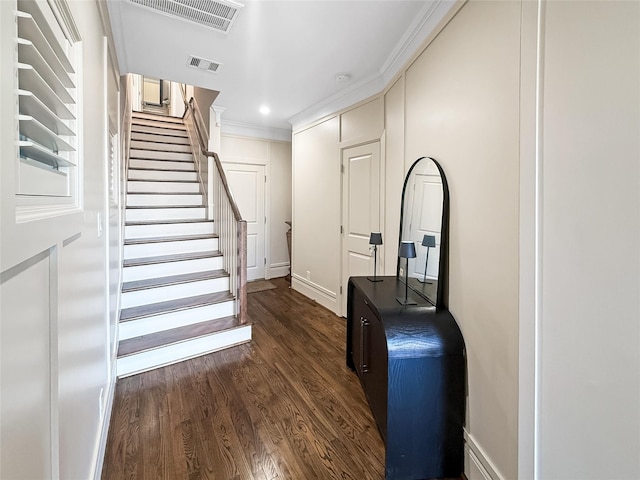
{"x": 284, "y": 407}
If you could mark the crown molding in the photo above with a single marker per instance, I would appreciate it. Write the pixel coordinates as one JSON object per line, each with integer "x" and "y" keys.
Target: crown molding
{"x": 422, "y": 27}
{"x": 230, "y": 127}
{"x": 405, "y": 50}
{"x": 114, "y": 10}
{"x": 344, "y": 98}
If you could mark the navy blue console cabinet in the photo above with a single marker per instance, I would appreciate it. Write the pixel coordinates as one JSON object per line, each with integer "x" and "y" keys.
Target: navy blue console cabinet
{"x": 411, "y": 363}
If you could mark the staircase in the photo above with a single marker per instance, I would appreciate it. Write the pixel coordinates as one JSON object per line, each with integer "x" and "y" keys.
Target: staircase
{"x": 176, "y": 301}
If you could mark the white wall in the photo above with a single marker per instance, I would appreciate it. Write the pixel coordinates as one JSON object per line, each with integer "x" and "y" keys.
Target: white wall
{"x": 462, "y": 107}
{"x": 54, "y": 349}
{"x": 276, "y": 157}
{"x": 541, "y": 153}
{"x": 589, "y": 319}
{"x": 316, "y": 213}
{"x": 394, "y": 124}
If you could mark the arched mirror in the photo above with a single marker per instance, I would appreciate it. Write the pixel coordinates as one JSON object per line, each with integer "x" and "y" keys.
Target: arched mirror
{"x": 424, "y": 220}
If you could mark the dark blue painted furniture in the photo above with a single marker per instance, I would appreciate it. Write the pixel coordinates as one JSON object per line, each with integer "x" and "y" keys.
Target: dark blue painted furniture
{"x": 411, "y": 364}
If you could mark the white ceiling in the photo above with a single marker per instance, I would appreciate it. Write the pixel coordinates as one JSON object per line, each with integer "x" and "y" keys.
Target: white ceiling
{"x": 284, "y": 54}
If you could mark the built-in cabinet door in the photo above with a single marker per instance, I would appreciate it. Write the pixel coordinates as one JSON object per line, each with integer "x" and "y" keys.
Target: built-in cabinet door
{"x": 376, "y": 380}
{"x": 359, "y": 325}
{"x": 369, "y": 356}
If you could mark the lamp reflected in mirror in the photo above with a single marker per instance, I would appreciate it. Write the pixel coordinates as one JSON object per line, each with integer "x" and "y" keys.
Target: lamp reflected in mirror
{"x": 375, "y": 239}
{"x": 428, "y": 241}
{"x": 407, "y": 250}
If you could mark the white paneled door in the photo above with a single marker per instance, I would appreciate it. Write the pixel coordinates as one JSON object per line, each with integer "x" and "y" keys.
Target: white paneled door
{"x": 360, "y": 211}
{"x": 247, "y": 183}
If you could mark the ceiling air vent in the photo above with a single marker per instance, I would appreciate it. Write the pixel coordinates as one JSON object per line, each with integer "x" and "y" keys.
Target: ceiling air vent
{"x": 217, "y": 14}
{"x": 204, "y": 64}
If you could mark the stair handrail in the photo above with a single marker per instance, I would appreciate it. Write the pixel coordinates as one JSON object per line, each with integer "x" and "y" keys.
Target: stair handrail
{"x": 222, "y": 207}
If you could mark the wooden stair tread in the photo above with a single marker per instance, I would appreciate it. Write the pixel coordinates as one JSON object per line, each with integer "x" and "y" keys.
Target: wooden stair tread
{"x": 157, "y": 124}
{"x": 176, "y": 238}
{"x": 151, "y": 151}
{"x": 138, "y": 207}
{"x": 153, "y": 116}
{"x": 172, "y": 280}
{"x": 175, "y": 335}
{"x": 164, "y": 193}
{"x": 178, "y": 257}
{"x": 155, "y": 169}
{"x": 142, "y": 311}
{"x": 171, "y": 132}
{"x": 159, "y": 179}
{"x": 164, "y": 222}
{"x": 168, "y": 133}
{"x": 165, "y": 140}
{"x": 147, "y": 159}
{"x": 149, "y": 122}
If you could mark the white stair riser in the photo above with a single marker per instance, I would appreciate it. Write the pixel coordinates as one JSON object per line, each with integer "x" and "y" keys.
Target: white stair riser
{"x": 170, "y": 248}
{"x": 160, "y": 175}
{"x": 174, "y": 200}
{"x": 151, "y": 137}
{"x": 182, "y": 351}
{"x": 148, "y": 214}
{"x": 132, "y": 232}
{"x": 181, "y": 318}
{"x": 158, "y": 130}
{"x": 166, "y": 187}
{"x": 174, "y": 292}
{"x": 161, "y": 147}
{"x": 160, "y": 155}
{"x": 162, "y": 165}
{"x": 158, "y": 270}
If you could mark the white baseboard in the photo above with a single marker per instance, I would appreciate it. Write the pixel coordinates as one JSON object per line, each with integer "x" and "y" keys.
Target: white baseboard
{"x": 477, "y": 465}
{"x": 315, "y": 292}
{"x": 98, "y": 461}
{"x": 278, "y": 270}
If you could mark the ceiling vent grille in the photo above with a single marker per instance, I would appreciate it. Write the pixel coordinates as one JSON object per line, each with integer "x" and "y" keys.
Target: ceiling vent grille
{"x": 204, "y": 64}
{"x": 217, "y": 14}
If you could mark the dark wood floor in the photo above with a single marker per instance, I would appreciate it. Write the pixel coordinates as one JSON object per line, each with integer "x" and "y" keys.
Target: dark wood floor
{"x": 284, "y": 406}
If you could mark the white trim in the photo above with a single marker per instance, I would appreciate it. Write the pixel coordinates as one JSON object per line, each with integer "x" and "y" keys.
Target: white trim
{"x": 529, "y": 212}
{"x": 115, "y": 11}
{"x": 538, "y": 233}
{"x": 324, "y": 297}
{"x": 101, "y": 447}
{"x": 481, "y": 460}
{"x": 421, "y": 29}
{"x": 217, "y": 114}
{"x": 424, "y": 25}
{"x": 340, "y": 100}
{"x": 280, "y": 269}
{"x": 60, "y": 9}
{"x": 229, "y": 127}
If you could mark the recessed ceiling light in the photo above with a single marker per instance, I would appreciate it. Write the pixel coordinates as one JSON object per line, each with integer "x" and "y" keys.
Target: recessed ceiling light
{"x": 264, "y": 110}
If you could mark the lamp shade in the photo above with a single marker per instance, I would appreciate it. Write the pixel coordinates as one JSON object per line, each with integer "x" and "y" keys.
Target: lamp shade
{"x": 375, "y": 238}
{"x": 407, "y": 250}
{"x": 428, "y": 241}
